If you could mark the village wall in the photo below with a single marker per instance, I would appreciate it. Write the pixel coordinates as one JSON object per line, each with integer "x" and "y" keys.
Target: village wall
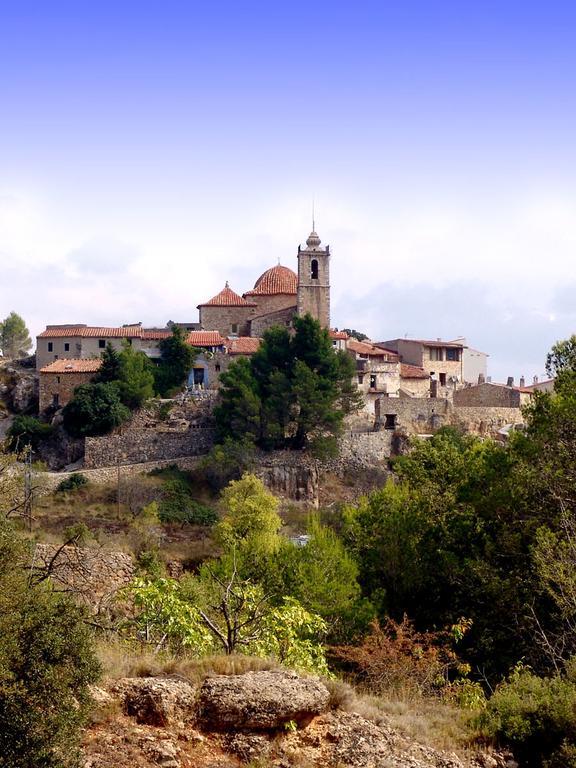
{"x": 485, "y": 420}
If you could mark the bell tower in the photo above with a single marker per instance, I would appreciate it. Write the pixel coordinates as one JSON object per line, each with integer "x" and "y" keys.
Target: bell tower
{"x": 314, "y": 280}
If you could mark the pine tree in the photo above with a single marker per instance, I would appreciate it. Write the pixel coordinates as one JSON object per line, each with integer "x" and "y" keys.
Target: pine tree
{"x": 15, "y": 338}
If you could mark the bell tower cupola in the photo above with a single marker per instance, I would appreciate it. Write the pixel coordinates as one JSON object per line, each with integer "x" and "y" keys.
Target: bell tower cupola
{"x": 314, "y": 280}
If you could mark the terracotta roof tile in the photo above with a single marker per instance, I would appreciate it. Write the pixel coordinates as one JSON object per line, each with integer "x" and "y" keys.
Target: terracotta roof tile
{"x": 276, "y": 280}
{"x": 365, "y": 348}
{"x": 88, "y": 331}
{"x": 205, "y": 339}
{"x": 338, "y": 335}
{"x": 153, "y": 333}
{"x": 242, "y": 345}
{"x": 412, "y": 372}
{"x": 227, "y": 298}
{"x": 73, "y": 366}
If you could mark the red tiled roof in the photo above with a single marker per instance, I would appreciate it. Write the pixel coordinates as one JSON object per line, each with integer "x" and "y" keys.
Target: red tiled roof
{"x": 243, "y": 345}
{"x": 87, "y": 331}
{"x": 227, "y": 298}
{"x": 205, "y": 339}
{"x": 278, "y": 279}
{"x": 364, "y": 348}
{"x": 338, "y": 335}
{"x": 73, "y": 366}
{"x": 412, "y": 372}
{"x": 153, "y": 333}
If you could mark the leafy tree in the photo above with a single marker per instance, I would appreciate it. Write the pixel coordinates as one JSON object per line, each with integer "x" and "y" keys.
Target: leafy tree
{"x": 227, "y": 461}
{"x": 176, "y": 360}
{"x": 323, "y": 577}
{"x": 111, "y": 365}
{"x": 14, "y": 336}
{"x": 47, "y": 662}
{"x": 561, "y": 357}
{"x": 95, "y": 409}
{"x": 250, "y": 525}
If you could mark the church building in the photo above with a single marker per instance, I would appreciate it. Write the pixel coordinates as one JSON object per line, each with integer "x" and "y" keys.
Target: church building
{"x": 277, "y": 295}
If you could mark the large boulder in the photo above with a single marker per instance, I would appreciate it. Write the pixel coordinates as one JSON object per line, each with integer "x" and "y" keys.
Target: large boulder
{"x": 260, "y": 700}
{"x": 156, "y": 701}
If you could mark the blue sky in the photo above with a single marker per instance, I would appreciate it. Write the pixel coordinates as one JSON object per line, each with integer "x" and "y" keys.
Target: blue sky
{"x": 150, "y": 151}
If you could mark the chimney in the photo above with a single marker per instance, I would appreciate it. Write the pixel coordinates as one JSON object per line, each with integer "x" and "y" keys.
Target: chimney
{"x": 481, "y": 379}
{"x": 522, "y": 381}
{"x": 535, "y": 380}
{"x": 510, "y": 382}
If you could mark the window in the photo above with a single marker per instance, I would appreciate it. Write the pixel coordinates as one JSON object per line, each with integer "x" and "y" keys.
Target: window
{"x": 436, "y": 353}
{"x": 217, "y": 367}
{"x": 198, "y": 376}
{"x": 102, "y": 343}
{"x": 390, "y": 422}
{"x": 50, "y": 346}
{"x": 314, "y": 269}
{"x": 442, "y": 379}
{"x": 56, "y": 400}
{"x": 360, "y": 378}
{"x": 58, "y": 379}
{"x": 234, "y": 327}
{"x": 66, "y": 347}
{"x": 372, "y": 381}
{"x": 453, "y": 355}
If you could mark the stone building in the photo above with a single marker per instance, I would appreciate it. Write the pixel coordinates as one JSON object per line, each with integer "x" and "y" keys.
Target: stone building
{"x": 59, "y": 379}
{"x": 277, "y": 296}
{"x": 377, "y": 371}
{"x": 442, "y": 361}
{"x": 84, "y": 342}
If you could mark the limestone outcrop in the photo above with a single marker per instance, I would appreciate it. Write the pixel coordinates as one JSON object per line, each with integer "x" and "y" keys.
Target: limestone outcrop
{"x": 260, "y": 700}
{"x": 156, "y": 701}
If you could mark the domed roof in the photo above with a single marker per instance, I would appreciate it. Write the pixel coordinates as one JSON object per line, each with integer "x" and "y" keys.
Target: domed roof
{"x": 278, "y": 279}
{"x": 313, "y": 240}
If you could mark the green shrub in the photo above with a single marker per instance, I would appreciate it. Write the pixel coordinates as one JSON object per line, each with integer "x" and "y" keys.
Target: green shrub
{"x": 226, "y": 462}
{"x": 71, "y": 483}
{"x": 177, "y": 506}
{"x": 27, "y": 430}
{"x": 47, "y": 663}
{"x": 95, "y": 409}
{"x": 536, "y": 717}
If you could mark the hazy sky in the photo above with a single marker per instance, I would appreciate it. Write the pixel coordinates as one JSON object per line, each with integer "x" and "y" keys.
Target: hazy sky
{"x": 149, "y": 151}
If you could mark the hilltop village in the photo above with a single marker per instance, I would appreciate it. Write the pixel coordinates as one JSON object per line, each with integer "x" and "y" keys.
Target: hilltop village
{"x": 415, "y": 385}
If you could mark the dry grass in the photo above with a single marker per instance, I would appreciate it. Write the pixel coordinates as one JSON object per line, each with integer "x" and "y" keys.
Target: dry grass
{"x": 123, "y": 660}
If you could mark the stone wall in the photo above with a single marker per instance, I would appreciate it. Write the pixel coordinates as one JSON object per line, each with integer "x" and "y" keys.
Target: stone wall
{"x": 282, "y": 317}
{"x": 485, "y": 421}
{"x": 90, "y": 574}
{"x": 417, "y": 416}
{"x": 138, "y": 446}
{"x": 223, "y": 318}
{"x": 488, "y": 395}
{"x": 186, "y": 430}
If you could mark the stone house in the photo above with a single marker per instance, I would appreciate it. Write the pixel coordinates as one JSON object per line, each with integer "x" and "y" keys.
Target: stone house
{"x": 59, "y": 379}
{"x": 377, "y": 371}
{"x": 84, "y": 342}
{"x": 216, "y": 360}
{"x": 441, "y": 360}
{"x": 414, "y": 381}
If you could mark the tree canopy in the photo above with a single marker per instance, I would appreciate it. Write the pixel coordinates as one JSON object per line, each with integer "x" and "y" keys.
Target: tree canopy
{"x": 294, "y": 391}
{"x": 15, "y": 338}
{"x": 176, "y": 360}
